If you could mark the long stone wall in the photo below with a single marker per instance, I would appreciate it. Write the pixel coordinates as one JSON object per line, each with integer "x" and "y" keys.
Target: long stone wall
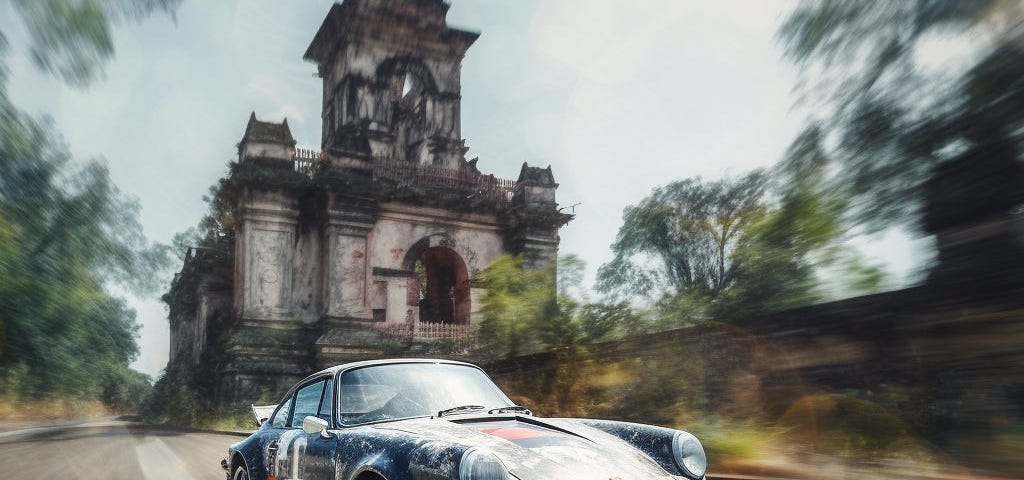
{"x": 944, "y": 369}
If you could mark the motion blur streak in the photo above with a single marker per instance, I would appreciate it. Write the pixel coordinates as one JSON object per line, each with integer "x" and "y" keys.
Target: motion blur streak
{"x": 737, "y": 308}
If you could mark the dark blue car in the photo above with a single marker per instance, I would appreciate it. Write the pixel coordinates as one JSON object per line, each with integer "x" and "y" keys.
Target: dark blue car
{"x": 438, "y": 419}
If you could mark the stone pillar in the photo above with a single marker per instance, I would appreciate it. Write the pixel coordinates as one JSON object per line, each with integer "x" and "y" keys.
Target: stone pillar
{"x": 266, "y": 252}
{"x": 539, "y": 248}
{"x": 536, "y": 218}
{"x": 397, "y": 301}
{"x": 346, "y": 274}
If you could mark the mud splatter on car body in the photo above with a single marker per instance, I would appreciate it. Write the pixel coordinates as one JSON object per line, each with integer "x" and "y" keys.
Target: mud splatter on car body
{"x": 433, "y": 447}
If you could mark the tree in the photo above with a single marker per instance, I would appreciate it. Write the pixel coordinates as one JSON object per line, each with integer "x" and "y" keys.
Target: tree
{"x": 70, "y": 234}
{"x": 604, "y": 321}
{"x": 524, "y": 311}
{"x": 66, "y": 232}
{"x": 515, "y": 301}
{"x": 894, "y": 120}
{"x": 72, "y": 38}
{"x": 736, "y": 246}
{"x": 683, "y": 238}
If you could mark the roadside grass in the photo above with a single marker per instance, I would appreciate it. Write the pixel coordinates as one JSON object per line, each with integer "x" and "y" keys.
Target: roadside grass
{"x": 236, "y": 422}
{"x": 850, "y": 428}
{"x": 233, "y": 419}
{"x": 724, "y": 442}
{"x": 48, "y": 409}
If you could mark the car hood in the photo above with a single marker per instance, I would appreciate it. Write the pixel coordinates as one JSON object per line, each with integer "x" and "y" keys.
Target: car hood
{"x": 534, "y": 449}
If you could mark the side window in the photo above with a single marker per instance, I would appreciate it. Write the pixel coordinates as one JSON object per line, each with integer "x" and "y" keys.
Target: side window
{"x": 325, "y": 402}
{"x": 307, "y": 402}
{"x": 281, "y": 419}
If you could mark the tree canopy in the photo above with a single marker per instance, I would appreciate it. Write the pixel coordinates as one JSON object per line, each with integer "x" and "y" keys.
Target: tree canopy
{"x": 893, "y": 119}
{"x": 689, "y": 228}
{"x": 737, "y": 246}
{"x": 67, "y": 234}
{"x": 514, "y": 305}
{"x": 73, "y": 39}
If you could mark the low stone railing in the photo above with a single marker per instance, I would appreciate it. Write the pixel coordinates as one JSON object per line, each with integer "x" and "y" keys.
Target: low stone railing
{"x": 427, "y": 176}
{"x": 475, "y": 185}
{"x": 307, "y": 160}
{"x": 462, "y": 337}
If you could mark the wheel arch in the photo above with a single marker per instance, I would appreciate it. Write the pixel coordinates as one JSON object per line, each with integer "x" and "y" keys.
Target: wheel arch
{"x": 369, "y": 475}
{"x": 236, "y": 461}
{"x": 372, "y": 469}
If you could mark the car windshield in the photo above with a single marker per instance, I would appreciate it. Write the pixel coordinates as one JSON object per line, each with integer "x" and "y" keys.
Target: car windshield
{"x": 384, "y": 392}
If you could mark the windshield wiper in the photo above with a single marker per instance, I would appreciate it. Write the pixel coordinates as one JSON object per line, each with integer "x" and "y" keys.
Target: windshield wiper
{"x": 459, "y": 409}
{"x": 513, "y": 408}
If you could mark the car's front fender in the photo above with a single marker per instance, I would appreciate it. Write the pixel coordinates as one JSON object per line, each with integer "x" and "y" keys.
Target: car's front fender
{"x": 653, "y": 441}
{"x": 395, "y": 455}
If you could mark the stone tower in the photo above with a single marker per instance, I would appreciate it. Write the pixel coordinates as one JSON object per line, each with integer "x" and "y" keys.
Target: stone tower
{"x": 379, "y": 236}
{"x": 391, "y": 82}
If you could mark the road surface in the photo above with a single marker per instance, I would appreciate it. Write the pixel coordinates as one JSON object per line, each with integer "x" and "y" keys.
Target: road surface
{"x": 112, "y": 449}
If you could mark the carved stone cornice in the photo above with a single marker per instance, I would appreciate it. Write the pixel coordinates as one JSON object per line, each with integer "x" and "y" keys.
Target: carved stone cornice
{"x": 282, "y": 216}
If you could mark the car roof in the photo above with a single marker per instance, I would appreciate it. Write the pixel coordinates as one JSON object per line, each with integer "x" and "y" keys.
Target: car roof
{"x": 382, "y": 361}
{"x": 333, "y": 371}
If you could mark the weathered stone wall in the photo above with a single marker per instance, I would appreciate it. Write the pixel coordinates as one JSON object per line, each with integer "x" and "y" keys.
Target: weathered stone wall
{"x": 949, "y": 367}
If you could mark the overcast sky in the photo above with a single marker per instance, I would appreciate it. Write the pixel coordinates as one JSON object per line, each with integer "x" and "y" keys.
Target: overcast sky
{"x": 618, "y": 97}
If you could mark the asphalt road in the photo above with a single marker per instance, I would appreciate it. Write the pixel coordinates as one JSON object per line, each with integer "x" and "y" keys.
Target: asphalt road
{"x": 112, "y": 449}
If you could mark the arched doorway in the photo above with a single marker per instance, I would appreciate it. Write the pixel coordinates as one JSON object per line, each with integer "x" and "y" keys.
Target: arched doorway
{"x": 443, "y": 286}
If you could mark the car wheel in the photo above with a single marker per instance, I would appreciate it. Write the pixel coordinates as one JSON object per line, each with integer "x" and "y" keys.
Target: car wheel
{"x": 240, "y": 473}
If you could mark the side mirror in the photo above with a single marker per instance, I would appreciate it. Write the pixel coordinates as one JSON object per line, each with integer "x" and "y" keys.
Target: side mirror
{"x": 313, "y": 424}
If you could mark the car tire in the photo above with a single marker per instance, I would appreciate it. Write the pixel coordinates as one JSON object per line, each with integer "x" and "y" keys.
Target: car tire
{"x": 240, "y": 473}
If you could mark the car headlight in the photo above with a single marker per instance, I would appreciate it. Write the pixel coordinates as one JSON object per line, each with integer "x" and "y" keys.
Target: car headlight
{"x": 480, "y": 464}
{"x": 689, "y": 455}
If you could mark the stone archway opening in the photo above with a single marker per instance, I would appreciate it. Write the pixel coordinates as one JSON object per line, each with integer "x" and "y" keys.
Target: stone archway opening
{"x": 444, "y": 287}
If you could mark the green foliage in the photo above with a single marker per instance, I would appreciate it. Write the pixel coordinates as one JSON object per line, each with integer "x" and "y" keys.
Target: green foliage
{"x": 894, "y": 120}
{"x": 513, "y": 306}
{"x": 180, "y": 397}
{"x": 212, "y": 243}
{"x": 66, "y": 232}
{"x": 604, "y": 321}
{"x": 72, "y": 38}
{"x": 737, "y": 247}
{"x": 682, "y": 235}
{"x": 217, "y": 224}
{"x": 717, "y": 248}
{"x": 126, "y": 390}
{"x": 523, "y": 313}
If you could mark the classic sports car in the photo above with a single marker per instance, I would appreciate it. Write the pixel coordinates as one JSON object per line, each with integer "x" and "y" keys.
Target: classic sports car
{"x": 438, "y": 419}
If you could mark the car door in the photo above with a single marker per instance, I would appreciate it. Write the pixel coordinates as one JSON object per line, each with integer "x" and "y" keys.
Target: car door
{"x": 293, "y": 441}
{"x": 270, "y": 435}
{"x": 317, "y": 461}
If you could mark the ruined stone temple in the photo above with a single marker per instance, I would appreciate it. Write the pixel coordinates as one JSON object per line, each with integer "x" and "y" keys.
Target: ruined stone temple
{"x": 371, "y": 244}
